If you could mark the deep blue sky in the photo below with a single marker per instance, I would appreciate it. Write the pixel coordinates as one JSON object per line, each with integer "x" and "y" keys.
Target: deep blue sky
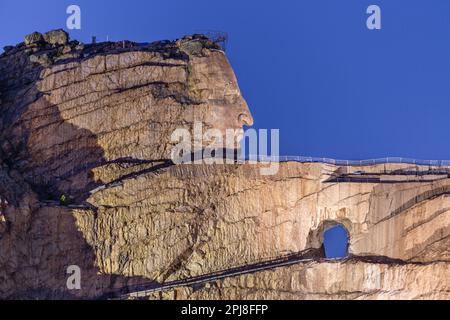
{"x": 310, "y": 68}
{"x": 335, "y": 240}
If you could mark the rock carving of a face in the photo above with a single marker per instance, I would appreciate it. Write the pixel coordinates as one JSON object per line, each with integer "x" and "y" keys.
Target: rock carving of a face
{"x": 216, "y": 85}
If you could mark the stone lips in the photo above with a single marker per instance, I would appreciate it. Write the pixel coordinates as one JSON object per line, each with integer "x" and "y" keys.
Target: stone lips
{"x": 93, "y": 122}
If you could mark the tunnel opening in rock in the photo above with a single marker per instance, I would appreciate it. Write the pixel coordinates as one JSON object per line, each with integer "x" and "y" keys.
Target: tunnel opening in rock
{"x": 336, "y": 242}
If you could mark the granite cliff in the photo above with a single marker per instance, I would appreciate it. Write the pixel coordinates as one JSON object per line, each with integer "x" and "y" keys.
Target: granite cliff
{"x": 93, "y": 123}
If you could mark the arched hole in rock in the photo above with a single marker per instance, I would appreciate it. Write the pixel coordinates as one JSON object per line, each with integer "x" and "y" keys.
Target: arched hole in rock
{"x": 335, "y": 242}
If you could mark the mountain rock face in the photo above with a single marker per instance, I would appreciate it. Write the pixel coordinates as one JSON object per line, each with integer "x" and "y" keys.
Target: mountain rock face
{"x": 329, "y": 280}
{"x": 93, "y": 123}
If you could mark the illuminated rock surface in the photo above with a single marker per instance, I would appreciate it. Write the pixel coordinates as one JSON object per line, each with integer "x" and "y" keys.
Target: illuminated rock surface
{"x": 93, "y": 123}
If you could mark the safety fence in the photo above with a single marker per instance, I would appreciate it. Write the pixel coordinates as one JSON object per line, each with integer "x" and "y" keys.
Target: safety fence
{"x": 143, "y": 289}
{"x": 388, "y": 160}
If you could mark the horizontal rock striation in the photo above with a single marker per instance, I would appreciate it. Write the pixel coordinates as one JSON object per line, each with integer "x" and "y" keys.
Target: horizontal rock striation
{"x": 350, "y": 280}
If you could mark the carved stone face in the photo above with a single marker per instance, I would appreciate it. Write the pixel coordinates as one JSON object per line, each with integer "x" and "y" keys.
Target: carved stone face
{"x": 215, "y": 84}
{"x": 101, "y": 104}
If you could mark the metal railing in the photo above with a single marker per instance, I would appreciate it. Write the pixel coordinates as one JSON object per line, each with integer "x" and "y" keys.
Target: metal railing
{"x": 388, "y": 160}
{"x": 143, "y": 289}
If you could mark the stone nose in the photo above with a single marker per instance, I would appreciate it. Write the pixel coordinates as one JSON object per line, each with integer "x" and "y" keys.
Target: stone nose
{"x": 245, "y": 116}
{"x": 246, "y": 119}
